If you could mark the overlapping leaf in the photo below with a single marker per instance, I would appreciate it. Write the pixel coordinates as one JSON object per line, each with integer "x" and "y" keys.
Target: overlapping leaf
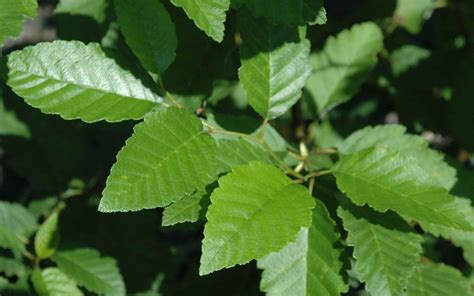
{"x": 274, "y": 64}
{"x": 149, "y": 31}
{"x": 76, "y": 80}
{"x": 384, "y": 179}
{"x": 308, "y": 266}
{"x": 10, "y": 124}
{"x": 11, "y": 267}
{"x": 12, "y": 241}
{"x": 386, "y": 250}
{"x": 394, "y": 137}
{"x": 343, "y": 65}
{"x": 460, "y": 238}
{"x": 237, "y": 152}
{"x": 293, "y": 12}
{"x": 40, "y": 207}
{"x": 52, "y": 282}
{"x": 251, "y": 217}
{"x": 231, "y": 152}
{"x": 95, "y": 9}
{"x": 12, "y": 15}
{"x": 168, "y": 157}
{"x": 438, "y": 280}
{"x": 184, "y": 210}
{"x": 208, "y": 15}
{"x": 16, "y": 218}
{"x": 47, "y": 237}
{"x": 87, "y": 268}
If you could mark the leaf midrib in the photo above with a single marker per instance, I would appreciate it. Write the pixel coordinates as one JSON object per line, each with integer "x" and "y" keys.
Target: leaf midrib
{"x": 260, "y": 209}
{"x": 146, "y": 175}
{"x": 85, "y": 87}
{"x": 386, "y": 274}
{"x": 108, "y": 287}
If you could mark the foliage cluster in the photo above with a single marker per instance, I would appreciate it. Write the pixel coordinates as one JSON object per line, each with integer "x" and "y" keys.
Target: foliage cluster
{"x": 238, "y": 147}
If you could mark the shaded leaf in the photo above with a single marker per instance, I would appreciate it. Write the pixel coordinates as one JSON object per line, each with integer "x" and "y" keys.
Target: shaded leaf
{"x": 52, "y": 282}
{"x": 16, "y": 219}
{"x": 47, "y": 237}
{"x": 274, "y": 64}
{"x": 87, "y": 268}
{"x": 406, "y": 57}
{"x": 412, "y": 14}
{"x": 95, "y": 9}
{"x": 149, "y": 31}
{"x": 294, "y": 12}
{"x": 10, "y": 125}
{"x": 208, "y": 15}
{"x": 460, "y": 238}
{"x": 42, "y": 206}
{"x": 237, "y": 152}
{"x": 343, "y": 65}
{"x": 11, "y": 267}
{"x": 14, "y": 242}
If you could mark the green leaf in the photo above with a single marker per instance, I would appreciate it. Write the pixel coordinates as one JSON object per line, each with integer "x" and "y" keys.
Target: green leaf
{"x": 149, "y": 31}
{"x": 11, "y": 267}
{"x": 407, "y": 57}
{"x": 395, "y": 137}
{"x": 168, "y": 157}
{"x": 10, "y": 125}
{"x": 76, "y": 80}
{"x": 185, "y": 210}
{"x": 12, "y": 15}
{"x": 343, "y": 65}
{"x": 274, "y": 64}
{"x": 230, "y": 152}
{"x": 40, "y": 207}
{"x": 12, "y": 241}
{"x": 87, "y": 268}
{"x": 308, "y": 266}
{"x": 14, "y": 218}
{"x": 16, "y": 226}
{"x": 411, "y": 14}
{"x": 237, "y": 152}
{"x": 47, "y": 237}
{"x": 272, "y": 139}
{"x": 386, "y": 250}
{"x": 460, "y": 238}
{"x": 384, "y": 179}
{"x": 95, "y": 9}
{"x": 438, "y": 280}
{"x": 294, "y": 12}
{"x": 52, "y": 282}
{"x": 255, "y": 211}
{"x": 208, "y": 15}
